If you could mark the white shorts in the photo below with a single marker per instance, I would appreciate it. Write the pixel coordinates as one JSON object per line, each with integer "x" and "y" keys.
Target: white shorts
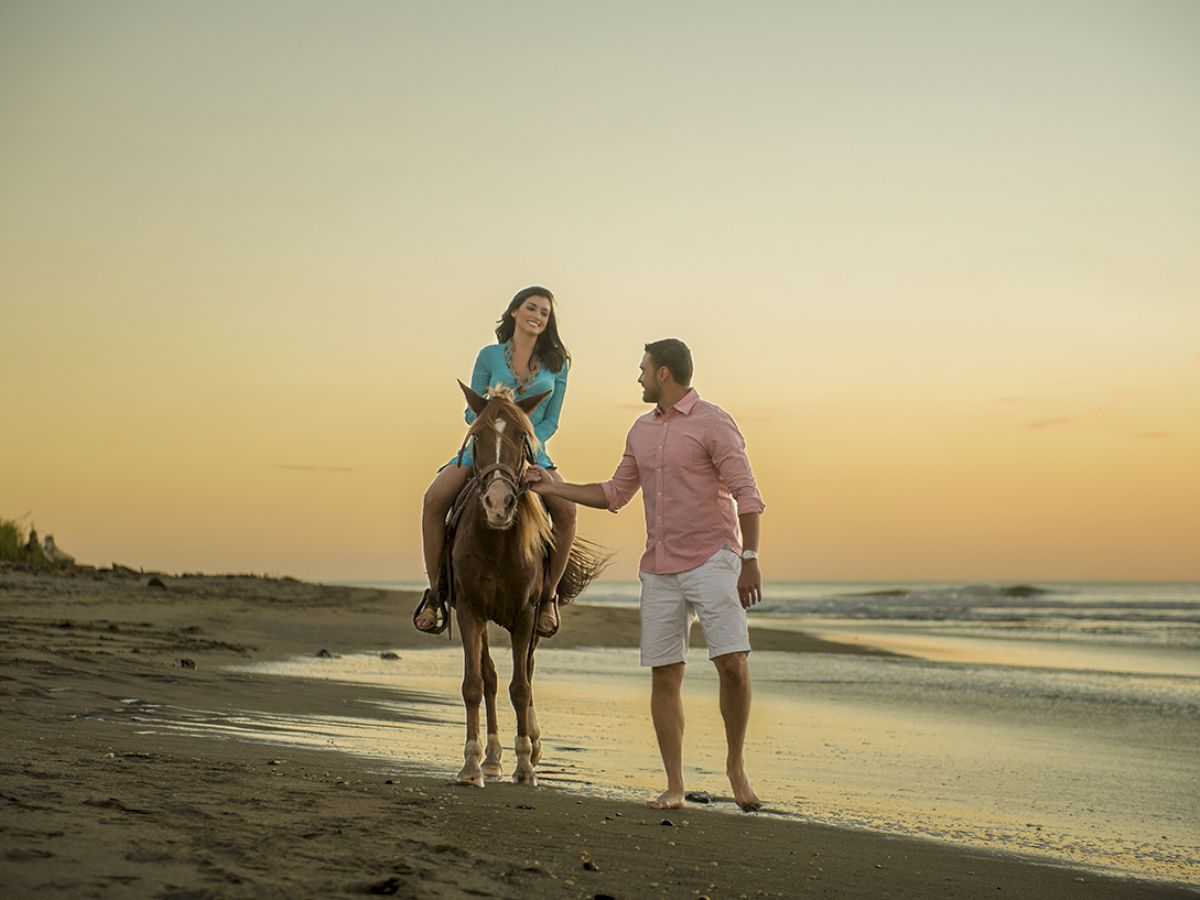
{"x": 670, "y": 603}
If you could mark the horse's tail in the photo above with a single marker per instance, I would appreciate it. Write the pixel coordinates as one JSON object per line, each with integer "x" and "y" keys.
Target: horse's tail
{"x": 586, "y": 562}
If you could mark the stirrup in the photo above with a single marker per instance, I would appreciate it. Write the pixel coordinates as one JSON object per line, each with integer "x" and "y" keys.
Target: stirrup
{"x": 441, "y": 616}
{"x": 553, "y": 599}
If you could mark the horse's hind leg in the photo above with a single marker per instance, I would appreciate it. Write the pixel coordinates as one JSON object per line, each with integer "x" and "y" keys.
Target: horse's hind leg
{"x": 491, "y": 763}
{"x": 535, "y": 732}
{"x": 520, "y": 693}
{"x": 469, "y": 629}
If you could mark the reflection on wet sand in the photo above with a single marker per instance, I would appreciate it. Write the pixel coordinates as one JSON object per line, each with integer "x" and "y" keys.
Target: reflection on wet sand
{"x": 943, "y": 644}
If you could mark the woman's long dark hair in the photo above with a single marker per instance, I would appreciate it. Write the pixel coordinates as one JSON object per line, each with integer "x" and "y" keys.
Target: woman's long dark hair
{"x": 549, "y": 348}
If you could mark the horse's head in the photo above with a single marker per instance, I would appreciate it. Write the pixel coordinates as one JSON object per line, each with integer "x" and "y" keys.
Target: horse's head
{"x": 502, "y": 441}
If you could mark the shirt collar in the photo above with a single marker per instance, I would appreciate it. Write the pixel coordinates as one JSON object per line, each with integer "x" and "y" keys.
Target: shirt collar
{"x": 684, "y": 404}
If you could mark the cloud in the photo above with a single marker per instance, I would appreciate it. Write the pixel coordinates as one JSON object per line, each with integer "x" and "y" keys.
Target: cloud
{"x": 1051, "y": 423}
{"x": 1135, "y": 392}
{"x": 1058, "y": 421}
{"x": 292, "y": 467}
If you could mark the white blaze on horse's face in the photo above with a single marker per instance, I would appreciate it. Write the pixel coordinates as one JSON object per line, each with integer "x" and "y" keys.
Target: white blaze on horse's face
{"x": 499, "y": 497}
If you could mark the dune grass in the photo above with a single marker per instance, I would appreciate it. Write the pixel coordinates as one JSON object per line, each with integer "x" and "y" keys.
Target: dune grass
{"x": 14, "y": 540}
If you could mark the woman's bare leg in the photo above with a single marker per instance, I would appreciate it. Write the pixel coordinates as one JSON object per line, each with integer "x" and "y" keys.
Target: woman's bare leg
{"x": 439, "y": 497}
{"x": 563, "y": 513}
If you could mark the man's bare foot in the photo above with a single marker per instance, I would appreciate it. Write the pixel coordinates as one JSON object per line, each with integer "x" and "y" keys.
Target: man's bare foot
{"x": 668, "y": 800}
{"x": 426, "y": 620}
{"x": 743, "y": 793}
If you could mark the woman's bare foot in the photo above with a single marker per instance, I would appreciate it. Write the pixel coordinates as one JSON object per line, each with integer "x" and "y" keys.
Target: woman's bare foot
{"x": 668, "y": 800}
{"x": 426, "y": 620}
{"x": 743, "y": 793}
{"x": 547, "y": 623}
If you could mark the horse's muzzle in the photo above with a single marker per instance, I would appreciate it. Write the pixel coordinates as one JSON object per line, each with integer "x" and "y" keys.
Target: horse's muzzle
{"x": 500, "y": 505}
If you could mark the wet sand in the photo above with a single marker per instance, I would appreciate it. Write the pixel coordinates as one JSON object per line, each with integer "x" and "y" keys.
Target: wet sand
{"x": 96, "y": 803}
{"x": 1078, "y": 769}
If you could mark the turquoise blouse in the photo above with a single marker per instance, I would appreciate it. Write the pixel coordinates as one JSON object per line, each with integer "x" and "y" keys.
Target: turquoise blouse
{"x": 491, "y": 368}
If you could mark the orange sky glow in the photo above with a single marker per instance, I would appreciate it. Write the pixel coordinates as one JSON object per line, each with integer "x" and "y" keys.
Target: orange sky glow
{"x": 939, "y": 262}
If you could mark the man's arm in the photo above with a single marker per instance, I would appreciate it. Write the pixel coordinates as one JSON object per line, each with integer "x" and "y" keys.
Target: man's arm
{"x": 610, "y": 495}
{"x": 728, "y": 450}
{"x": 588, "y": 494}
{"x": 750, "y": 581}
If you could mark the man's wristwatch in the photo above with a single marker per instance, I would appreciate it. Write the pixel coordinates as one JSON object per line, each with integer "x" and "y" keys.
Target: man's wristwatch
{"x": 749, "y": 554}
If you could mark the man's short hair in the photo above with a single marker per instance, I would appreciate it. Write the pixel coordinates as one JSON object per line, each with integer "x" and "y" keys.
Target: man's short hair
{"x": 675, "y": 355}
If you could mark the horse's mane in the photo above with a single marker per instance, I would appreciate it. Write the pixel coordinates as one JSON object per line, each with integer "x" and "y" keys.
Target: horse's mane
{"x": 507, "y": 404}
{"x": 535, "y": 531}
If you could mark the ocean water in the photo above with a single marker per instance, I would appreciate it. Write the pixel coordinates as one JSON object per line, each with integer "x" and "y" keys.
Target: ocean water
{"x": 1136, "y": 614}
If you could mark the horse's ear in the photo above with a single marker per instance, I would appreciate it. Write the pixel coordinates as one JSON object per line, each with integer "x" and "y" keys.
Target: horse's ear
{"x": 529, "y": 404}
{"x": 474, "y": 401}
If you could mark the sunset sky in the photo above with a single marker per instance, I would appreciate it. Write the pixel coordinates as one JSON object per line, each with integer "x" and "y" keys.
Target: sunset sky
{"x": 940, "y": 260}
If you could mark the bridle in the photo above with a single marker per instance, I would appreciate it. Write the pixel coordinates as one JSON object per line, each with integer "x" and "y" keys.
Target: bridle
{"x": 503, "y": 471}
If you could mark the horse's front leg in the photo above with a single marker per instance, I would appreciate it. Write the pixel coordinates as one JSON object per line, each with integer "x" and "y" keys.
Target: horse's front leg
{"x": 521, "y": 694}
{"x": 469, "y": 630}
{"x": 491, "y": 763}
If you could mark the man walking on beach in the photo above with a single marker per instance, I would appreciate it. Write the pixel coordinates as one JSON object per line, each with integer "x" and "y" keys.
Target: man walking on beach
{"x": 689, "y": 459}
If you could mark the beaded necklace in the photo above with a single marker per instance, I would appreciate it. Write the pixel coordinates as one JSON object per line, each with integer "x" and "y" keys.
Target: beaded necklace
{"x": 535, "y": 369}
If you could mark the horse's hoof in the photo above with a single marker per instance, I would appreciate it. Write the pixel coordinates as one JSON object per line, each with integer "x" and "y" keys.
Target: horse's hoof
{"x": 535, "y": 756}
{"x": 472, "y": 780}
{"x": 492, "y": 772}
{"x": 527, "y": 778}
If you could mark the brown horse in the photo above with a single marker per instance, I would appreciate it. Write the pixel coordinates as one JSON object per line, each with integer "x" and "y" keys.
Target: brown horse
{"x": 499, "y": 566}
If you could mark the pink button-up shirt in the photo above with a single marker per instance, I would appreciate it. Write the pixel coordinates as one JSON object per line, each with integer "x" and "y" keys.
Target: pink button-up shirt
{"x": 691, "y": 463}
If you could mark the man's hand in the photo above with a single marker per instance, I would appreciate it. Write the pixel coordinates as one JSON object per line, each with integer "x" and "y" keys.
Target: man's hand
{"x": 750, "y": 583}
{"x": 539, "y": 480}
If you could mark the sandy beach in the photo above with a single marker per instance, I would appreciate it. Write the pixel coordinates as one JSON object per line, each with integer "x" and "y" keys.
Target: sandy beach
{"x": 102, "y": 798}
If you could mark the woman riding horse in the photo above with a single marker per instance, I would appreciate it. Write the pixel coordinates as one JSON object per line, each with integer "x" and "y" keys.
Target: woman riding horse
{"x": 529, "y": 358}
